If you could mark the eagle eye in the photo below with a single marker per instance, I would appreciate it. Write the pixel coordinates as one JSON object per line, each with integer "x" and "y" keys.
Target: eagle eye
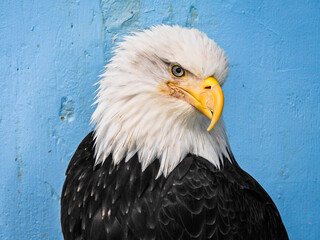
{"x": 177, "y": 71}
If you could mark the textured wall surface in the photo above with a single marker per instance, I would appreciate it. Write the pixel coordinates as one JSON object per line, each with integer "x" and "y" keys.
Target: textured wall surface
{"x": 51, "y": 53}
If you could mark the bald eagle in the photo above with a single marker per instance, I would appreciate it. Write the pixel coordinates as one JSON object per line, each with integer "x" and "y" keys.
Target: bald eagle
{"x": 158, "y": 164}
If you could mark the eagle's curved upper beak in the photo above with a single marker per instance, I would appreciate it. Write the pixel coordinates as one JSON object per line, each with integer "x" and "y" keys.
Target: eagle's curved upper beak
{"x": 208, "y": 98}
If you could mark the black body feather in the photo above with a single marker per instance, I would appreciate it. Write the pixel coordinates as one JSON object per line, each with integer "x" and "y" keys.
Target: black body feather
{"x": 196, "y": 201}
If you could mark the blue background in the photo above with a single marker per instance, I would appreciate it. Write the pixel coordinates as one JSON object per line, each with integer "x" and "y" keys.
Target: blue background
{"x": 51, "y": 53}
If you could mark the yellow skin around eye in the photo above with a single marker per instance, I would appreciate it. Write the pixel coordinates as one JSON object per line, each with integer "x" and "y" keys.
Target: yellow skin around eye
{"x": 206, "y": 95}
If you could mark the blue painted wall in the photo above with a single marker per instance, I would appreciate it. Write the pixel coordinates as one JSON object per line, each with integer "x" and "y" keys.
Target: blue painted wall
{"x": 51, "y": 53}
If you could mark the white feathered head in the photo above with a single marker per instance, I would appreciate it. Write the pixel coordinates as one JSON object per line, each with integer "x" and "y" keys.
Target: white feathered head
{"x": 157, "y": 97}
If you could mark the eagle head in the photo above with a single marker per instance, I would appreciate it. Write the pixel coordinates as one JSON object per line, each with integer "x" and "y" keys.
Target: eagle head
{"x": 160, "y": 98}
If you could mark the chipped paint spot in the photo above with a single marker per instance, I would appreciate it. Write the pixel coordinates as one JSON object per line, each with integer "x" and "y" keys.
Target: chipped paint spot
{"x": 192, "y": 18}
{"x": 53, "y": 193}
{"x": 19, "y": 163}
{"x": 119, "y": 17}
{"x": 168, "y": 15}
{"x": 284, "y": 173}
{"x": 67, "y": 109}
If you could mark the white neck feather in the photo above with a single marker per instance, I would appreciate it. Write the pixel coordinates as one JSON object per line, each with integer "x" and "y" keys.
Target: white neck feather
{"x": 134, "y": 117}
{"x": 140, "y": 124}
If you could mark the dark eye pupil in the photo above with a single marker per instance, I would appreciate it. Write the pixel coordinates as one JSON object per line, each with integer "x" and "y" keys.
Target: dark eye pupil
{"x": 178, "y": 70}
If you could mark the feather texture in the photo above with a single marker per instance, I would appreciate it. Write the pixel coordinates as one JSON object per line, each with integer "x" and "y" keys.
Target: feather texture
{"x": 133, "y": 116}
{"x": 196, "y": 201}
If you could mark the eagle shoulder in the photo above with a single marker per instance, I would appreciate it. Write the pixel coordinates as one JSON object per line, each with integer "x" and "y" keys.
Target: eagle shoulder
{"x": 202, "y": 202}
{"x": 196, "y": 201}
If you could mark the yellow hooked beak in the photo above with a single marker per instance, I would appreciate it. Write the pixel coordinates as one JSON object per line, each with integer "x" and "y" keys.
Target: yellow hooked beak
{"x": 208, "y": 99}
